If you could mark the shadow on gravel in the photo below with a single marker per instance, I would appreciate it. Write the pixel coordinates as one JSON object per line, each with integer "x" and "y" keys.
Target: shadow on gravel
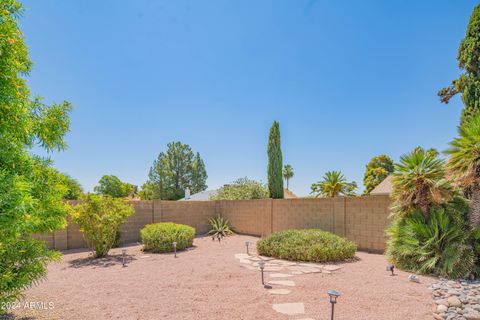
{"x": 105, "y": 262}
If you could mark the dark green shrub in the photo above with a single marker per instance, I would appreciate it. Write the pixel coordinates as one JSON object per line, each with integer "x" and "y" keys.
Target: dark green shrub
{"x": 159, "y": 237}
{"x": 436, "y": 244}
{"x": 306, "y": 245}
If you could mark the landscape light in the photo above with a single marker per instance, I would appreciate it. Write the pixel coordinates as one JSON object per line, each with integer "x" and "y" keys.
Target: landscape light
{"x": 246, "y": 245}
{"x": 391, "y": 268}
{"x": 124, "y": 256}
{"x": 175, "y": 249}
{"x": 261, "y": 264}
{"x": 333, "y": 299}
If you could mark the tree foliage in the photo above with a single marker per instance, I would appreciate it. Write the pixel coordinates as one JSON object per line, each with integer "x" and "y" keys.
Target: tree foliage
{"x": 468, "y": 84}
{"x": 333, "y": 184}
{"x": 175, "y": 170}
{"x": 275, "y": 165}
{"x": 31, "y": 191}
{"x": 74, "y": 189}
{"x": 110, "y": 185}
{"x": 419, "y": 182}
{"x": 242, "y": 189}
{"x": 288, "y": 173}
{"x": 100, "y": 218}
{"x": 376, "y": 171}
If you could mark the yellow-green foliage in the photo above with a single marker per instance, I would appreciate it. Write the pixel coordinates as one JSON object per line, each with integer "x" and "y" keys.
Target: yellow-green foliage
{"x": 306, "y": 245}
{"x": 99, "y": 218}
{"x": 159, "y": 237}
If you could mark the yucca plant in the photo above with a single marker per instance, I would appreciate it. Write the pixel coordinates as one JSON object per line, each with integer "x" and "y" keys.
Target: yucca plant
{"x": 464, "y": 163}
{"x": 220, "y": 227}
{"x": 434, "y": 244}
{"x": 419, "y": 182}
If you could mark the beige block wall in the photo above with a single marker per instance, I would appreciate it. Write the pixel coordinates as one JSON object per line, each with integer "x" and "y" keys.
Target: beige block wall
{"x": 361, "y": 219}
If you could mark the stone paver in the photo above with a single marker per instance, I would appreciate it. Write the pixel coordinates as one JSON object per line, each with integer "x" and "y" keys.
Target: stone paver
{"x": 331, "y": 268}
{"x": 279, "y": 291}
{"x": 289, "y": 308}
{"x": 280, "y": 275}
{"x": 287, "y": 283}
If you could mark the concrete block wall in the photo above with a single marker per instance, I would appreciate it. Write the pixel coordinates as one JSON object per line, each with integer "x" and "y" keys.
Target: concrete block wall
{"x": 360, "y": 219}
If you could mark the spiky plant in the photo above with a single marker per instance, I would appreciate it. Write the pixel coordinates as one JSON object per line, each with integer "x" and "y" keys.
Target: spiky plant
{"x": 419, "y": 182}
{"x": 434, "y": 244}
{"x": 333, "y": 184}
{"x": 464, "y": 163}
{"x": 220, "y": 227}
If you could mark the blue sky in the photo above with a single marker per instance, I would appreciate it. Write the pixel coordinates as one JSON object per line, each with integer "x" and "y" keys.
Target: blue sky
{"x": 346, "y": 80}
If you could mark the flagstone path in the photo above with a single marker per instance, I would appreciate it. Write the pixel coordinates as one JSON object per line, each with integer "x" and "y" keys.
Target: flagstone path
{"x": 283, "y": 269}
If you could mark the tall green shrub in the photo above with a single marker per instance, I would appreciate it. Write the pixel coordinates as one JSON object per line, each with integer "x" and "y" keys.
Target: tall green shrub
{"x": 242, "y": 189}
{"x": 100, "y": 218}
{"x": 159, "y": 237}
{"x": 31, "y": 191}
{"x": 275, "y": 165}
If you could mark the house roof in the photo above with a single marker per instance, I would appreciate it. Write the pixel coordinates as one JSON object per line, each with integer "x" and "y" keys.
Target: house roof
{"x": 384, "y": 188}
{"x": 287, "y": 194}
{"x": 201, "y": 196}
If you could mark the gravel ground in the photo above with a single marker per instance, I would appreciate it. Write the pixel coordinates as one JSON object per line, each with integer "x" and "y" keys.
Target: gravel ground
{"x": 207, "y": 282}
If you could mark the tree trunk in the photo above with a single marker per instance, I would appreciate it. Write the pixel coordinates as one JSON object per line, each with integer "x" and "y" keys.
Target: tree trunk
{"x": 474, "y": 216}
{"x": 422, "y": 201}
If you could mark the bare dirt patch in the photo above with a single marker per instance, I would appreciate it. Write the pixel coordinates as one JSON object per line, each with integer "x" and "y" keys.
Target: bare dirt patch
{"x": 208, "y": 282}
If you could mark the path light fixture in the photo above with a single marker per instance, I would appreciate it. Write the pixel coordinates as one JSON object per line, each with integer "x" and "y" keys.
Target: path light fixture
{"x": 246, "y": 245}
{"x": 391, "y": 268}
{"x": 333, "y": 294}
{"x": 175, "y": 249}
{"x": 124, "y": 257}
{"x": 261, "y": 265}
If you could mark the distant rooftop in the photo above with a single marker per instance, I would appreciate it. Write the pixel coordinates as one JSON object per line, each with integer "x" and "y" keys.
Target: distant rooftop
{"x": 201, "y": 196}
{"x": 384, "y": 188}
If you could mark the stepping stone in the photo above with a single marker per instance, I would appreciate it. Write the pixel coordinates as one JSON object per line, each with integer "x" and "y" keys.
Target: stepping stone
{"x": 266, "y": 269}
{"x": 283, "y": 262}
{"x": 296, "y": 272}
{"x": 311, "y": 265}
{"x": 279, "y": 291}
{"x": 245, "y": 261}
{"x": 289, "y": 308}
{"x": 254, "y": 258}
{"x": 287, "y": 283}
{"x": 144, "y": 257}
{"x": 280, "y": 275}
{"x": 266, "y": 258}
{"x": 241, "y": 256}
{"x": 331, "y": 268}
{"x": 310, "y": 270}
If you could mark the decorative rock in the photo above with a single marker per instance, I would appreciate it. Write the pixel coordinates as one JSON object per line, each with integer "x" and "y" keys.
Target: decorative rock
{"x": 442, "y": 308}
{"x": 331, "y": 268}
{"x": 289, "y": 308}
{"x": 454, "y": 302}
{"x": 279, "y": 291}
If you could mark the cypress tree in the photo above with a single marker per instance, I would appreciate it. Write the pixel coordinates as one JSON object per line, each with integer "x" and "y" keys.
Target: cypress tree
{"x": 275, "y": 165}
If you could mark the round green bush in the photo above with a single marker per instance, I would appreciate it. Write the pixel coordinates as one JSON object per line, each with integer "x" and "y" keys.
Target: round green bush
{"x": 306, "y": 245}
{"x": 159, "y": 237}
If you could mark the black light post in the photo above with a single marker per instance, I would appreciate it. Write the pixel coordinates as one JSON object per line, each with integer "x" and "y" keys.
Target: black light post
{"x": 333, "y": 299}
{"x": 124, "y": 256}
{"x": 391, "y": 268}
{"x": 261, "y": 264}
{"x": 174, "y": 249}
{"x": 246, "y": 245}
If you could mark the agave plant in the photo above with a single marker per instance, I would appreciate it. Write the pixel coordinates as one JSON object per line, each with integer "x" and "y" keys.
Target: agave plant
{"x": 419, "y": 182}
{"x": 333, "y": 184}
{"x": 220, "y": 227}
{"x": 434, "y": 244}
{"x": 464, "y": 163}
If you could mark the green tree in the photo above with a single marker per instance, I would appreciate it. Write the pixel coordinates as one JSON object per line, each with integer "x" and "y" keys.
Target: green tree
{"x": 288, "y": 173}
{"x": 464, "y": 163}
{"x": 175, "y": 170}
{"x": 377, "y": 170}
{"x": 242, "y": 189}
{"x": 99, "y": 218}
{"x": 333, "y": 184}
{"x": 111, "y": 185}
{"x": 74, "y": 189}
{"x": 419, "y": 182}
{"x": 31, "y": 191}
{"x": 468, "y": 84}
{"x": 275, "y": 165}
{"x": 199, "y": 174}
{"x": 147, "y": 191}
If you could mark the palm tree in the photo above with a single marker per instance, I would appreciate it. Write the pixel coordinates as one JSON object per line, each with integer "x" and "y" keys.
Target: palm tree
{"x": 419, "y": 181}
{"x": 333, "y": 184}
{"x": 464, "y": 163}
{"x": 287, "y": 173}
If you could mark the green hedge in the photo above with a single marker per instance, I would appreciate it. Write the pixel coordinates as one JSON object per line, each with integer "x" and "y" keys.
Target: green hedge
{"x": 306, "y": 245}
{"x": 159, "y": 237}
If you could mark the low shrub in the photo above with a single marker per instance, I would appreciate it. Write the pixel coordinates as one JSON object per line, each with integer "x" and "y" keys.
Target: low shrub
{"x": 159, "y": 237}
{"x": 437, "y": 244}
{"x": 99, "y": 218}
{"x": 306, "y": 245}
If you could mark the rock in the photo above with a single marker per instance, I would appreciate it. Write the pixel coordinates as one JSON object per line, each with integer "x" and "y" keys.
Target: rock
{"x": 453, "y": 301}
{"x": 331, "y": 268}
{"x": 287, "y": 283}
{"x": 289, "y": 308}
{"x": 472, "y": 315}
{"x": 441, "y": 308}
{"x": 279, "y": 291}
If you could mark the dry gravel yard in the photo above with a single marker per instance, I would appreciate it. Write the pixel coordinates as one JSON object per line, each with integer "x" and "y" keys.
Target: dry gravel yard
{"x": 215, "y": 281}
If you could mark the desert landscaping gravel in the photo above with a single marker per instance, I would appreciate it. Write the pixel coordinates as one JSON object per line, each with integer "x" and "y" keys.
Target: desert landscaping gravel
{"x": 209, "y": 282}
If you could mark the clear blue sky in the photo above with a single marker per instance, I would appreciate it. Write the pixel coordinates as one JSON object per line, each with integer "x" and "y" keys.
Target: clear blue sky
{"x": 347, "y": 80}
